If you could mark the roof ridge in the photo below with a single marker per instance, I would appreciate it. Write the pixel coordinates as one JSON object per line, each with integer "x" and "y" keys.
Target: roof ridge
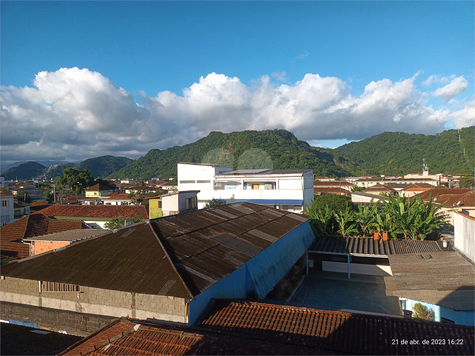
{"x": 170, "y": 260}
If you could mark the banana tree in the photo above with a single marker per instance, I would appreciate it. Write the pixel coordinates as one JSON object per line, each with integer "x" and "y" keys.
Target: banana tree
{"x": 346, "y": 223}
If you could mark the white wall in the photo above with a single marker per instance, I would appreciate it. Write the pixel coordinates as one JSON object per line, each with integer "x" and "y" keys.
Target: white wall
{"x": 6, "y": 212}
{"x": 464, "y": 235}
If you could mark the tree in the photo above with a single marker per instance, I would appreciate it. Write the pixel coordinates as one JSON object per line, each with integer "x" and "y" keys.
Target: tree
{"x": 48, "y": 196}
{"x": 213, "y": 203}
{"x": 422, "y": 312}
{"x": 24, "y": 196}
{"x": 119, "y": 222}
{"x": 5, "y": 190}
{"x": 76, "y": 180}
{"x": 466, "y": 181}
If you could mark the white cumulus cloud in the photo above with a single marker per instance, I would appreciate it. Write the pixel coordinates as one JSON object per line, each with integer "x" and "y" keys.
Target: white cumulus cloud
{"x": 73, "y": 114}
{"x": 456, "y": 86}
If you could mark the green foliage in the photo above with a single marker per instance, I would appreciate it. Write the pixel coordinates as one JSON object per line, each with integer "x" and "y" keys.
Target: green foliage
{"x": 103, "y": 166}
{"x": 26, "y": 170}
{"x": 76, "y": 180}
{"x": 24, "y": 196}
{"x": 5, "y": 190}
{"x": 412, "y": 219}
{"x": 397, "y": 153}
{"x": 119, "y": 222}
{"x": 48, "y": 196}
{"x": 4, "y": 261}
{"x": 423, "y": 313}
{"x": 466, "y": 181}
{"x": 213, "y": 203}
{"x": 283, "y": 148}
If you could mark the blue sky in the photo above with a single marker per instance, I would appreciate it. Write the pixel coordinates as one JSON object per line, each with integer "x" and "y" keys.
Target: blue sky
{"x": 84, "y": 79}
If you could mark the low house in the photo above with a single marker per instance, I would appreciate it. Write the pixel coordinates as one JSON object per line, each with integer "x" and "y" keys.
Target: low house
{"x": 414, "y": 189}
{"x": 54, "y": 241}
{"x": 21, "y": 209}
{"x": 98, "y": 190}
{"x": 166, "y": 269}
{"x": 117, "y": 198}
{"x": 380, "y": 189}
{"x": 179, "y": 202}
{"x": 95, "y": 216}
{"x": 254, "y": 328}
{"x": 453, "y": 200}
{"x": 12, "y": 235}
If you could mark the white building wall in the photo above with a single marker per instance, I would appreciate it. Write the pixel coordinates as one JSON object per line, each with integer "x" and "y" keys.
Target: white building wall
{"x": 464, "y": 235}
{"x": 7, "y": 211}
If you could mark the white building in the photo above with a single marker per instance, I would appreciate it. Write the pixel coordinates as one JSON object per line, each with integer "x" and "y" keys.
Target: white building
{"x": 289, "y": 190}
{"x": 7, "y": 209}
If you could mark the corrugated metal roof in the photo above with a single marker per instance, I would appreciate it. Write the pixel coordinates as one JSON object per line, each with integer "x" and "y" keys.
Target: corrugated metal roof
{"x": 442, "y": 278}
{"x": 367, "y": 246}
{"x": 196, "y": 249}
{"x": 71, "y": 235}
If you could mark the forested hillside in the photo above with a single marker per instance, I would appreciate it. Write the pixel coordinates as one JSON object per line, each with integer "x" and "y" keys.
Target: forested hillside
{"x": 104, "y": 165}
{"x": 26, "y": 170}
{"x": 247, "y": 149}
{"x": 397, "y": 153}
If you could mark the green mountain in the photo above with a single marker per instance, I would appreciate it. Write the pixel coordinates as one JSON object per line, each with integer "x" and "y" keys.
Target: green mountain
{"x": 26, "y": 170}
{"x": 397, "y": 153}
{"x": 104, "y": 165}
{"x": 277, "y": 149}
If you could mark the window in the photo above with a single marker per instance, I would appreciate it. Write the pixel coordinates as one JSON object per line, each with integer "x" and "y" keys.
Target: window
{"x": 58, "y": 287}
{"x": 4, "y": 203}
{"x": 186, "y": 181}
{"x": 203, "y": 181}
{"x": 4, "y": 219}
{"x": 190, "y": 203}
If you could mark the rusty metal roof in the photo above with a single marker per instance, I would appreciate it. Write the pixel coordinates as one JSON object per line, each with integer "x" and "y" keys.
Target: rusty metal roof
{"x": 195, "y": 249}
{"x": 367, "y": 246}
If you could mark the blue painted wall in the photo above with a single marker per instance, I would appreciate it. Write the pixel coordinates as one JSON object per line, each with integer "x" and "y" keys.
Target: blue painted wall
{"x": 260, "y": 274}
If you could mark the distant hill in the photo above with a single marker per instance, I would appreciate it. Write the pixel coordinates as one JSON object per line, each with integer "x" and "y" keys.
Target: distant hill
{"x": 103, "y": 166}
{"x": 239, "y": 149}
{"x": 26, "y": 170}
{"x": 397, "y": 153}
{"x": 99, "y": 167}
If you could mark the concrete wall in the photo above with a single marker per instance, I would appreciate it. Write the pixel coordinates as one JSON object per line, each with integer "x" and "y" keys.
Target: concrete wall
{"x": 464, "y": 235}
{"x": 95, "y": 301}
{"x": 357, "y": 268}
{"x": 55, "y": 320}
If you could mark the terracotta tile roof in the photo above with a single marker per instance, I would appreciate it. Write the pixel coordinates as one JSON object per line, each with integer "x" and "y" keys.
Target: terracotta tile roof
{"x": 340, "y": 191}
{"x": 39, "y": 203}
{"x": 30, "y": 226}
{"x": 434, "y": 192}
{"x": 117, "y": 196}
{"x": 96, "y": 211}
{"x": 333, "y": 184}
{"x": 98, "y": 187}
{"x": 332, "y": 330}
{"x": 418, "y": 187}
{"x": 134, "y": 337}
{"x": 379, "y": 187}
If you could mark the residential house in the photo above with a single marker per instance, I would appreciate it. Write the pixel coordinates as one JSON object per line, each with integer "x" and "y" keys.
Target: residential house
{"x": 98, "y": 190}
{"x": 21, "y": 209}
{"x": 7, "y": 209}
{"x": 179, "y": 202}
{"x": 95, "y": 216}
{"x": 333, "y": 187}
{"x": 464, "y": 235}
{"x": 369, "y": 182}
{"x": 165, "y": 269}
{"x": 453, "y": 200}
{"x": 380, "y": 189}
{"x": 116, "y": 198}
{"x": 289, "y": 190}
{"x": 54, "y": 241}
{"x": 13, "y": 234}
{"x": 414, "y": 189}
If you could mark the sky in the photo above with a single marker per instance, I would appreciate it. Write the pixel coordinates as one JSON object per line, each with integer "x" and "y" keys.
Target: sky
{"x": 82, "y": 79}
